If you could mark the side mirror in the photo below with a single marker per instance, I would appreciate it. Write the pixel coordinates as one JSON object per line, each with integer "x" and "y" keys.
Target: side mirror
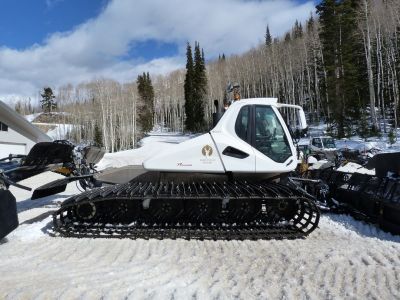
{"x": 301, "y": 117}
{"x": 217, "y": 115}
{"x": 216, "y": 105}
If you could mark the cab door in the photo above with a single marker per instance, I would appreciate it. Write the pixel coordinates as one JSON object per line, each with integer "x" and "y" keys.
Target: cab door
{"x": 234, "y": 142}
{"x": 272, "y": 142}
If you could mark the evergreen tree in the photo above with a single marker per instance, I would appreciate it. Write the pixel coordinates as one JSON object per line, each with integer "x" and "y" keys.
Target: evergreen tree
{"x": 268, "y": 37}
{"x": 195, "y": 89}
{"x": 341, "y": 50}
{"x": 188, "y": 90}
{"x": 98, "y": 136}
{"x": 200, "y": 87}
{"x": 392, "y": 136}
{"x": 146, "y": 107}
{"x": 297, "y": 30}
{"x": 48, "y": 100}
{"x": 310, "y": 24}
{"x": 287, "y": 37}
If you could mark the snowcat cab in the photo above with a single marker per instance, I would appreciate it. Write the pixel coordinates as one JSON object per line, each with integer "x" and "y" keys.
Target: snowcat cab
{"x": 219, "y": 185}
{"x": 251, "y": 137}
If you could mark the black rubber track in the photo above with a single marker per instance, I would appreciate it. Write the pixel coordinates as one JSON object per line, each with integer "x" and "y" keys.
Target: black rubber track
{"x": 168, "y": 210}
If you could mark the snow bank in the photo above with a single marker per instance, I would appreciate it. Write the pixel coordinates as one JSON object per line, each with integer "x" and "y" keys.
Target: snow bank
{"x": 355, "y": 168}
{"x": 60, "y": 132}
{"x": 380, "y": 144}
{"x": 32, "y": 117}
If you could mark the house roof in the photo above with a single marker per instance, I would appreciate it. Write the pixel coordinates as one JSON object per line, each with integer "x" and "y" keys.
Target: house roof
{"x": 19, "y": 124}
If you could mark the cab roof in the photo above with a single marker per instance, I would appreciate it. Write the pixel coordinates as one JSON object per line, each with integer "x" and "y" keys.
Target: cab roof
{"x": 250, "y": 101}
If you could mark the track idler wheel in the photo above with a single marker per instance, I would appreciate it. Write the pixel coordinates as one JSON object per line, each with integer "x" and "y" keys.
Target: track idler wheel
{"x": 117, "y": 211}
{"x": 86, "y": 211}
{"x": 165, "y": 209}
{"x": 244, "y": 209}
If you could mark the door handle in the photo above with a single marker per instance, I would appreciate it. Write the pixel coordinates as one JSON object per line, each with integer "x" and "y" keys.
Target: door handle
{"x": 233, "y": 152}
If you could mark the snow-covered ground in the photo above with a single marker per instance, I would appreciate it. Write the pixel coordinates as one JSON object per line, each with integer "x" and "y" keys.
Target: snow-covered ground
{"x": 342, "y": 259}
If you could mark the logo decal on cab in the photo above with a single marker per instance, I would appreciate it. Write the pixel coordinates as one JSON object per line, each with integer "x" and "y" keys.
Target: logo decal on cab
{"x": 207, "y": 151}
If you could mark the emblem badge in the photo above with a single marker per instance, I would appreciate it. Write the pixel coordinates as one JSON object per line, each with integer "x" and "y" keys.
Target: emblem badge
{"x": 207, "y": 150}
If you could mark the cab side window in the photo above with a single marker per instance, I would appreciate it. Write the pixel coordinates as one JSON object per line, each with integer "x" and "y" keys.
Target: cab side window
{"x": 242, "y": 123}
{"x": 317, "y": 143}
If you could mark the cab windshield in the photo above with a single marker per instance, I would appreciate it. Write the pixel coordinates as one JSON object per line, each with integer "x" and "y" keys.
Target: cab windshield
{"x": 329, "y": 143}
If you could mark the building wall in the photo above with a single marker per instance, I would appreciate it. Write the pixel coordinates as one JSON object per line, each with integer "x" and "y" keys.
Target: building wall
{"x": 11, "y": 137}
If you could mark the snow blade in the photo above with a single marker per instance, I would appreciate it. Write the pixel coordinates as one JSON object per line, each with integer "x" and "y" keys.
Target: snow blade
{"x": 55, "y": 187}
{"x": 46, "y": 153}
{"x": 93, "y": 154}
{"x": 8, "y": 213}
{"x": 41, "y": 156}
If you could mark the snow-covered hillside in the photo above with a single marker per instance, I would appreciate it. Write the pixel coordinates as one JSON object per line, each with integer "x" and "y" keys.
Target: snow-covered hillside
{"x": 51, "y": 124}
{"x": 343, "y": 259}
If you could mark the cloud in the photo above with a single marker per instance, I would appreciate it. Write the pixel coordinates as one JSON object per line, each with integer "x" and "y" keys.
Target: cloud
{"x": 100, "y": 46}
{"x": 51, "y": 3}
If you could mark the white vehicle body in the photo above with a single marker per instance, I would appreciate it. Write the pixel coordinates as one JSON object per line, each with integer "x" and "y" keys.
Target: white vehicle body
{"x": 222, "y": 150}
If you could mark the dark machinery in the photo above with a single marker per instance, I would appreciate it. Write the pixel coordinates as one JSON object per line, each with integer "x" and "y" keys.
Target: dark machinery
{"x": 80, "y": 168}
{"x": 76, "y": 163}
{"x": 372, "y": 198}
{"x": 62, "y": 157}
{"x": 43, "y": 157}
